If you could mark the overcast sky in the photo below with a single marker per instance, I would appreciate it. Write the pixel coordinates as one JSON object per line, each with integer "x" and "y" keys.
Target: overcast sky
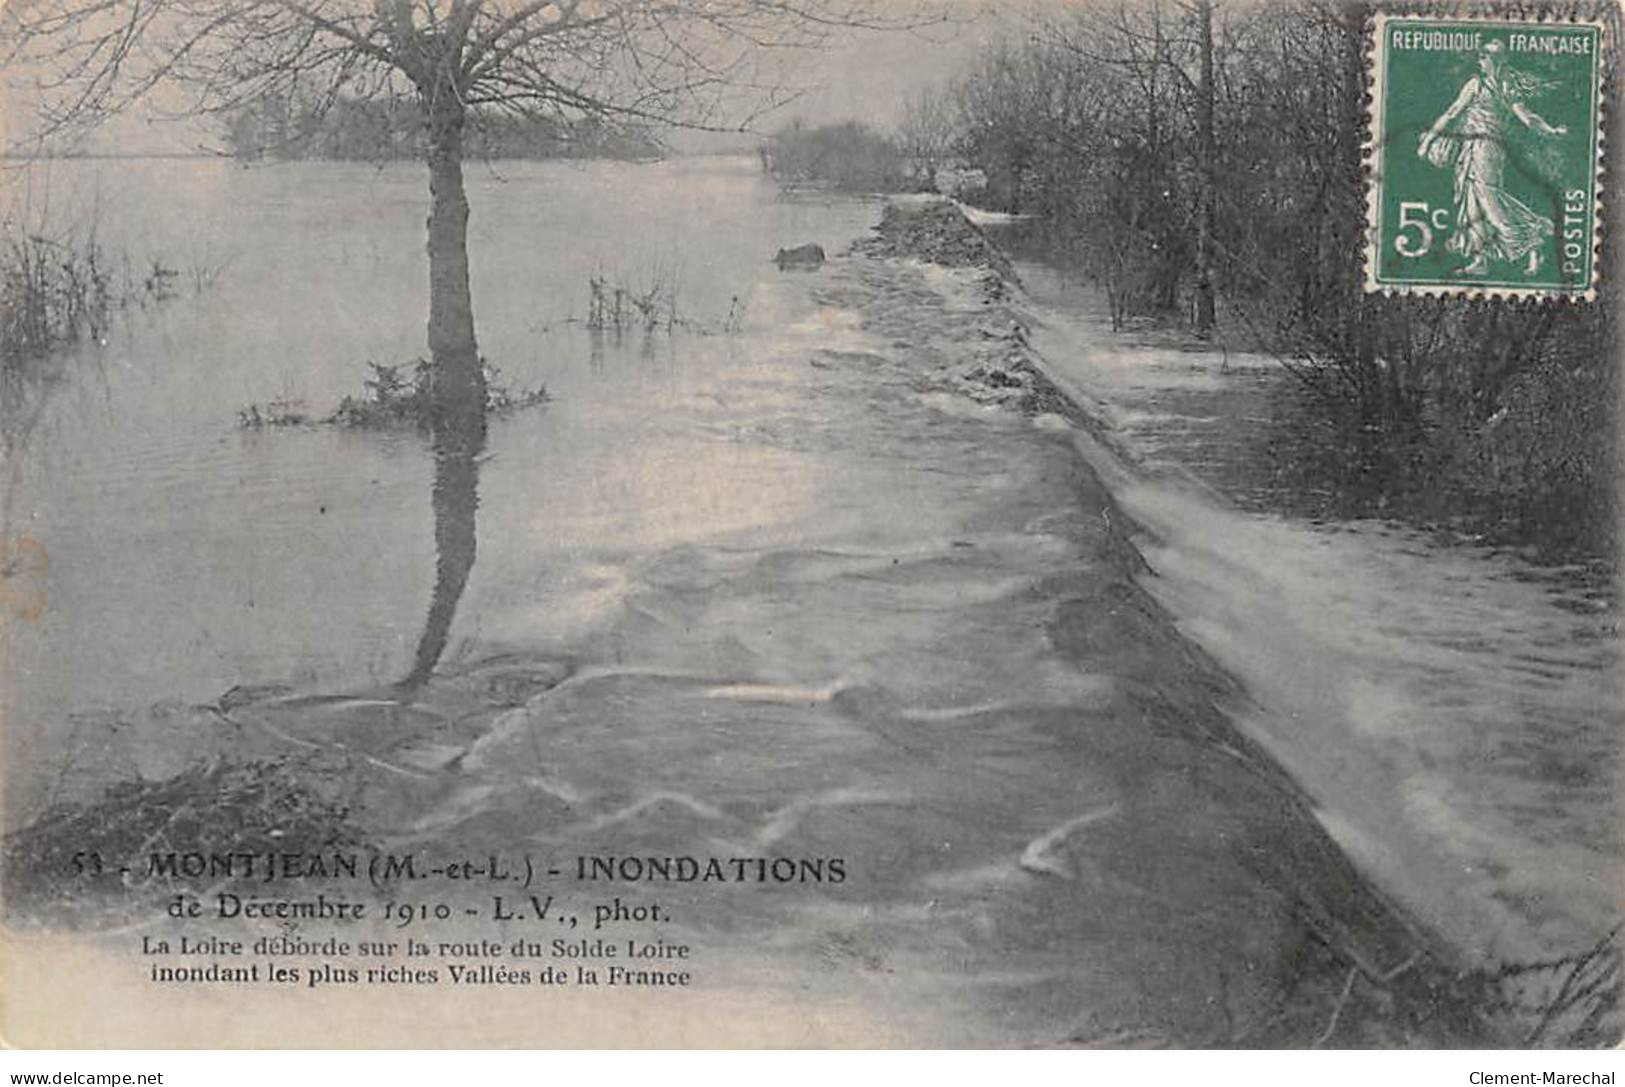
{"x": 869, "y": 75}
{"x": 863, "y": 75}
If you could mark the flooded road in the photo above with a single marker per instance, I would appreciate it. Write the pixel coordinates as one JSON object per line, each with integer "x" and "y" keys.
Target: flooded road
{"x": 869, "y": 648}
{"x": 1454, "y": 710}
{"x": 840, "y": 605}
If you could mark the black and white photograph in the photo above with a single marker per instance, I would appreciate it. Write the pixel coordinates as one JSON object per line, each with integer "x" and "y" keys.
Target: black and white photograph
{"x": 813, "y": 524}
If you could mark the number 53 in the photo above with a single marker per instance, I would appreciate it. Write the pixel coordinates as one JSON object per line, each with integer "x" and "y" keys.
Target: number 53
{"x": 1416, "y": 214}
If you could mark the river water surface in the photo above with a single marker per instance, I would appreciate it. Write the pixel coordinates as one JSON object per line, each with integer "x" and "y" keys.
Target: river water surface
{"x": 1454, "y": 714}
{"x": 188, "y": 555}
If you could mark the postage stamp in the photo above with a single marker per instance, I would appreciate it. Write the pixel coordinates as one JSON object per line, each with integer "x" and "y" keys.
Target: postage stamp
{"x": 1485, "y": 154}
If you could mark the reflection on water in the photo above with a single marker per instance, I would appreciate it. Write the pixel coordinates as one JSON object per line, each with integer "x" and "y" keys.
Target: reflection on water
{"x": 26, "y": 384}
{"x": 187, "y": 556}
{"x": 459, "y": 439}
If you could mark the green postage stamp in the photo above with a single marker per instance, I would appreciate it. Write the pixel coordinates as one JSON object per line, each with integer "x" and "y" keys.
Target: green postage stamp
{"x": 1485, "y": 154}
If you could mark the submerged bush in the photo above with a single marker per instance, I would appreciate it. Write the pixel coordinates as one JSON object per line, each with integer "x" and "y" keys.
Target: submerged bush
{"x": 56, "y": 291}
{"x": 273, "y": 413}
{"x": 614, "y": 305}
{"x": 51, "y": 293}
{"x": 618, "y": 303}
{"x": 392, "y": 400}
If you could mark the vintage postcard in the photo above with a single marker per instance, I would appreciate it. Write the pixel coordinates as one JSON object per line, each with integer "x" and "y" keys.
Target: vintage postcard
{"x": 726, "y": 523}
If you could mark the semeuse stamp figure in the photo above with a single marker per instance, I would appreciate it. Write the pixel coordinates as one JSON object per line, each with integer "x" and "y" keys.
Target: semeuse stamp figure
{"x": 1485, "y": 148}
{"x": 1471, "y": 137}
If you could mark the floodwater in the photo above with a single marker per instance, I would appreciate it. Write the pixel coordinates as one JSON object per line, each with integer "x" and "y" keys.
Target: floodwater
{"x": 784, "y": 594}
{"x": 1454, "y": 710}
{"x": 690, "y": 528}
{"x": 187, "y": 555}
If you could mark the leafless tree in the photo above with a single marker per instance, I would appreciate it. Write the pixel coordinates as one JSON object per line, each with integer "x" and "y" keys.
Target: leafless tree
{"x": 690, "y": 61}
{"x": 927, "y": 133}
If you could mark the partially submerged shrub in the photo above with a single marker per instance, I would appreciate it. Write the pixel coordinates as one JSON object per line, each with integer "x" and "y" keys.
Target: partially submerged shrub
{"x": 274, "y": 413}
{"x": 614, "y": 305}
{"x": 501, "y": 399}
{"x": 51, "y": 292}
{"x": 393, "y": 399}
{"x": 63, "y": 290}
{"x": 618, "y": 303}
{"x": 160, "y": 280}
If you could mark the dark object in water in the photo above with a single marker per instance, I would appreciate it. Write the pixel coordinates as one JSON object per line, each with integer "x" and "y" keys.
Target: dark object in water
{"x": 810, "y": 255}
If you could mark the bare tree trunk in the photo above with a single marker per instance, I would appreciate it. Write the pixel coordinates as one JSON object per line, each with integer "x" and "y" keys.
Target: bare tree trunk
{"x": 458, "y": 380}
{"x": 1209, "y": 154}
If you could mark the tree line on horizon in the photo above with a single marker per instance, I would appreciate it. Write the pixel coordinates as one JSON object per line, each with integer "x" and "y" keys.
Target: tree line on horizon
{"x": 851, "y": 156}
{"x": 437, "y": 77}
{"x": 349, "y": 129}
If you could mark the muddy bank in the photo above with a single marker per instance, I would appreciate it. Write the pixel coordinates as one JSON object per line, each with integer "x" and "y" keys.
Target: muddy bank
{"x": 962, "y": 780}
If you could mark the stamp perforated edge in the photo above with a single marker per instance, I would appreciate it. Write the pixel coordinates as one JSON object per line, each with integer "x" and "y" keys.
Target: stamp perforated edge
{"x": 1372, "y": 154}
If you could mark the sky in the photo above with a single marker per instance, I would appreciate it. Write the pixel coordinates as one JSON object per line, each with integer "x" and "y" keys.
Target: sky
{"x": 870, "y": 75}
{"x": 863, "y": 75}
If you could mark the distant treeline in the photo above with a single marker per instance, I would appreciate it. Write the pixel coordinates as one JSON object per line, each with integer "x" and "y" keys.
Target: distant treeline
{"x": 384, "y": 130}
{"x": 1202, "y": 163}
{"x": 850, "y": 156}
